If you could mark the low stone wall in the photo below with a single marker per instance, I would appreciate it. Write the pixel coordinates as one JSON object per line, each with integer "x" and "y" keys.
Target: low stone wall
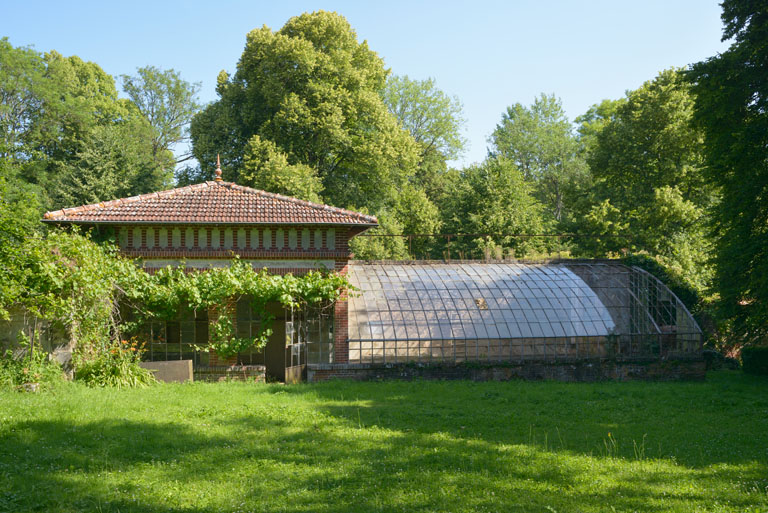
{"x": 174, "y": 371}
{"x": 583, "y": 370}
{"x": 231, "y": 373}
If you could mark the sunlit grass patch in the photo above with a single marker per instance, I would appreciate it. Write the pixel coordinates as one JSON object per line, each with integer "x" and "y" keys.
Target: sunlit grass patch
{"x": 389, "y": 446}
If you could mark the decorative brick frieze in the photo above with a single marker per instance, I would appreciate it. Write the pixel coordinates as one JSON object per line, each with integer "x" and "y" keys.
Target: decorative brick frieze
{"x": 249, "y": 242}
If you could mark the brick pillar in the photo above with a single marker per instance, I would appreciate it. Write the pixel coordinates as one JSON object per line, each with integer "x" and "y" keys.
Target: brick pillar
{"x": 340, "y": 321}
{"x": 214, "y": 360}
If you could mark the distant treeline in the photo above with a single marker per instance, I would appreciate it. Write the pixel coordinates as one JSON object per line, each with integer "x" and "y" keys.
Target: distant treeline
{"x": 676, "y": 170}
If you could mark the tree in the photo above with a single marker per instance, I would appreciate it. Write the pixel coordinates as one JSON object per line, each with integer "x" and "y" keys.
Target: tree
{"x": 539, "y": 141}
{"x": 590, "y": 124}
{"x": 168, "y": 102}
{"x": 648, "y": 194}
{"x": 313, "y": 90}
{"x": 731, "y": 107}
{"x": 111, "y": 161}
{"x": 22, "y": 91}
{"x": 62, "y": 122}
{"x": 494, "y": 198}
{"x": 266, "y": 167}
{"x": 650, "y": 143}
{"x": 384, "y": 242}
{"x": 434, "y": 119}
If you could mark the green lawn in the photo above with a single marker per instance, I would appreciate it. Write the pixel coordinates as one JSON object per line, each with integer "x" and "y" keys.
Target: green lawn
{"x": 390, "y": 446}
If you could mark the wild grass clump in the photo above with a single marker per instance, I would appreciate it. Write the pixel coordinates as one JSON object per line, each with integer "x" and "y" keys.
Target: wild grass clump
{"x": 112, "y": 364}
{"x": 28, "y": 366}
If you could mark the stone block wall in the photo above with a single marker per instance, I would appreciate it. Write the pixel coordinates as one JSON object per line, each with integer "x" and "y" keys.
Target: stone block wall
{"x": 575, "y": 371}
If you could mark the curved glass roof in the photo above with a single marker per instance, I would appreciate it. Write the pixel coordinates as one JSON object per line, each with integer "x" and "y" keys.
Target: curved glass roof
{"x": 472, "y": 301}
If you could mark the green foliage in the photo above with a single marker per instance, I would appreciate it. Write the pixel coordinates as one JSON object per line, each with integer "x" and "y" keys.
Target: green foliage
{"x": 386, "y": 242}
{"x": 688, "y": 294}
{"x": 434, "y": 119}
{"x": 109, "y": 162}
{"x": 314, "y": 91}
{"x": 755, "y": 360}
{"x": 168, "y": 103}
{"x": 266, "y": 167}
{"x": 29, "y": 364}
{"x": 731, "y": 108}
{"x": 19, "y": 217}
{"x": 590, "y": 124}
{"x": 604, "y": 230}
{"x": 22, "y": 89}
{"x": 494, "y": 198}
{"x": 111, "y": 364}
{"x": 539, "y": 141}
{"x": 164, "y": 294}
{"x": 649, "y": 194}
{"x": 64, "y": 129}
{"x": 649, "y": 143}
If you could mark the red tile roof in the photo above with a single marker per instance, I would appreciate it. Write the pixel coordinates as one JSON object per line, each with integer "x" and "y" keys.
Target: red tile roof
{"x": 214, "y": 202}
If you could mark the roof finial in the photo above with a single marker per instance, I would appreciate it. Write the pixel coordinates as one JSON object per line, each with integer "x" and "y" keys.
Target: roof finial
{"x": 218, "y": 168}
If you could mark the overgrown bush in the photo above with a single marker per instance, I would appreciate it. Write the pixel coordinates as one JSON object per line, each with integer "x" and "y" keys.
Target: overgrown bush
{"x": 28, "y": 365}
{"x": 755, "y": 360}
{"x": 113, "y": 364}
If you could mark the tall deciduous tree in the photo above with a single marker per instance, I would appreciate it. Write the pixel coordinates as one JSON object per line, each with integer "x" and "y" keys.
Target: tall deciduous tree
{"x": 732, "y": 108}
{"x": 65, "y": 130}
{"x": 435, "y": 121}
{"x": 539, "y": 141}
{"x": 494, "y": 198}
{"x": 22, "y": 92}
{"x": 168, "y": 102}
{"x": 266, "y": 167}
{"x": 649, "y": 192}
{"x": 314, "y": 90}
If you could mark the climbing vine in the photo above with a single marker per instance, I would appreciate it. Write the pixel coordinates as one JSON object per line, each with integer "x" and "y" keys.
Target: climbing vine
{"x": 95, "y": 295}
{"x": 166, "y": 293}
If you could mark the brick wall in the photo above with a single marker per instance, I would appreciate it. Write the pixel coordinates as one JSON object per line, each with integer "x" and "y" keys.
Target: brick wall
{"x": 341, "y": 320}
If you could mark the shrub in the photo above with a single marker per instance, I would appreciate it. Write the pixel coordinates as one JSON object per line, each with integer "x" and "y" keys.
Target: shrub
{"x": 114, "y": 364}
{"x": 755, "y": 360}
{"x": 30, "y": 366}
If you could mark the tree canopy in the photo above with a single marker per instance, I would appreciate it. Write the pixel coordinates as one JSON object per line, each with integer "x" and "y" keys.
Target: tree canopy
{"x": 313, "y": 90}
{"x": 731, "y": 107}
{"x": 66, "y": 132}
{"x": 539, "y": 141}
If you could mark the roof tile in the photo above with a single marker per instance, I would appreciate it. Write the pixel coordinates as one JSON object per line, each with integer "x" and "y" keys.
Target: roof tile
{"x": 210, "y": 202}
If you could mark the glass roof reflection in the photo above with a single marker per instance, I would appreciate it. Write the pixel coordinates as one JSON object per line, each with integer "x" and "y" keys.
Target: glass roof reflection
{"x": 473, "y": 301}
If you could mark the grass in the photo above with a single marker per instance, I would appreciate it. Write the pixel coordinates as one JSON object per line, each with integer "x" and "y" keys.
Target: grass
{"x": 390, "y": 446}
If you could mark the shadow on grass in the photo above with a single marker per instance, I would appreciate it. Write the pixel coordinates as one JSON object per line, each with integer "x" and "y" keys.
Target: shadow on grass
{"x": 256, "y": 466}
{"x": 419, "y": 446}
{"x": 724, "y": 420}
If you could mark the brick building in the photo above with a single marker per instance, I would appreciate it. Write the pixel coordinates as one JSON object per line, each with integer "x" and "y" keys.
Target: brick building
{"x": 556, "y": 319}
{"x": 203, "y": 226}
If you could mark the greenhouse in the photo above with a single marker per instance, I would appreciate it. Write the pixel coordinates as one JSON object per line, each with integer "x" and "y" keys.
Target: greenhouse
{"x": 495, "y": 312}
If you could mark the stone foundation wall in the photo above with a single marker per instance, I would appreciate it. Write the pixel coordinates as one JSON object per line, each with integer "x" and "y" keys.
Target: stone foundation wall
{"x": 231, "y": 373}
{"x": 583, "y": 371}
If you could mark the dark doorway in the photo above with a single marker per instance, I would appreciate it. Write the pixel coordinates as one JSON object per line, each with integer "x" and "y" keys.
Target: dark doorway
{"x": 274, "y": 353}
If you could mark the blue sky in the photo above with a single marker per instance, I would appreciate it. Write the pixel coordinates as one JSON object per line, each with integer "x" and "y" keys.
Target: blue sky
{"x": 489, "y": 54}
